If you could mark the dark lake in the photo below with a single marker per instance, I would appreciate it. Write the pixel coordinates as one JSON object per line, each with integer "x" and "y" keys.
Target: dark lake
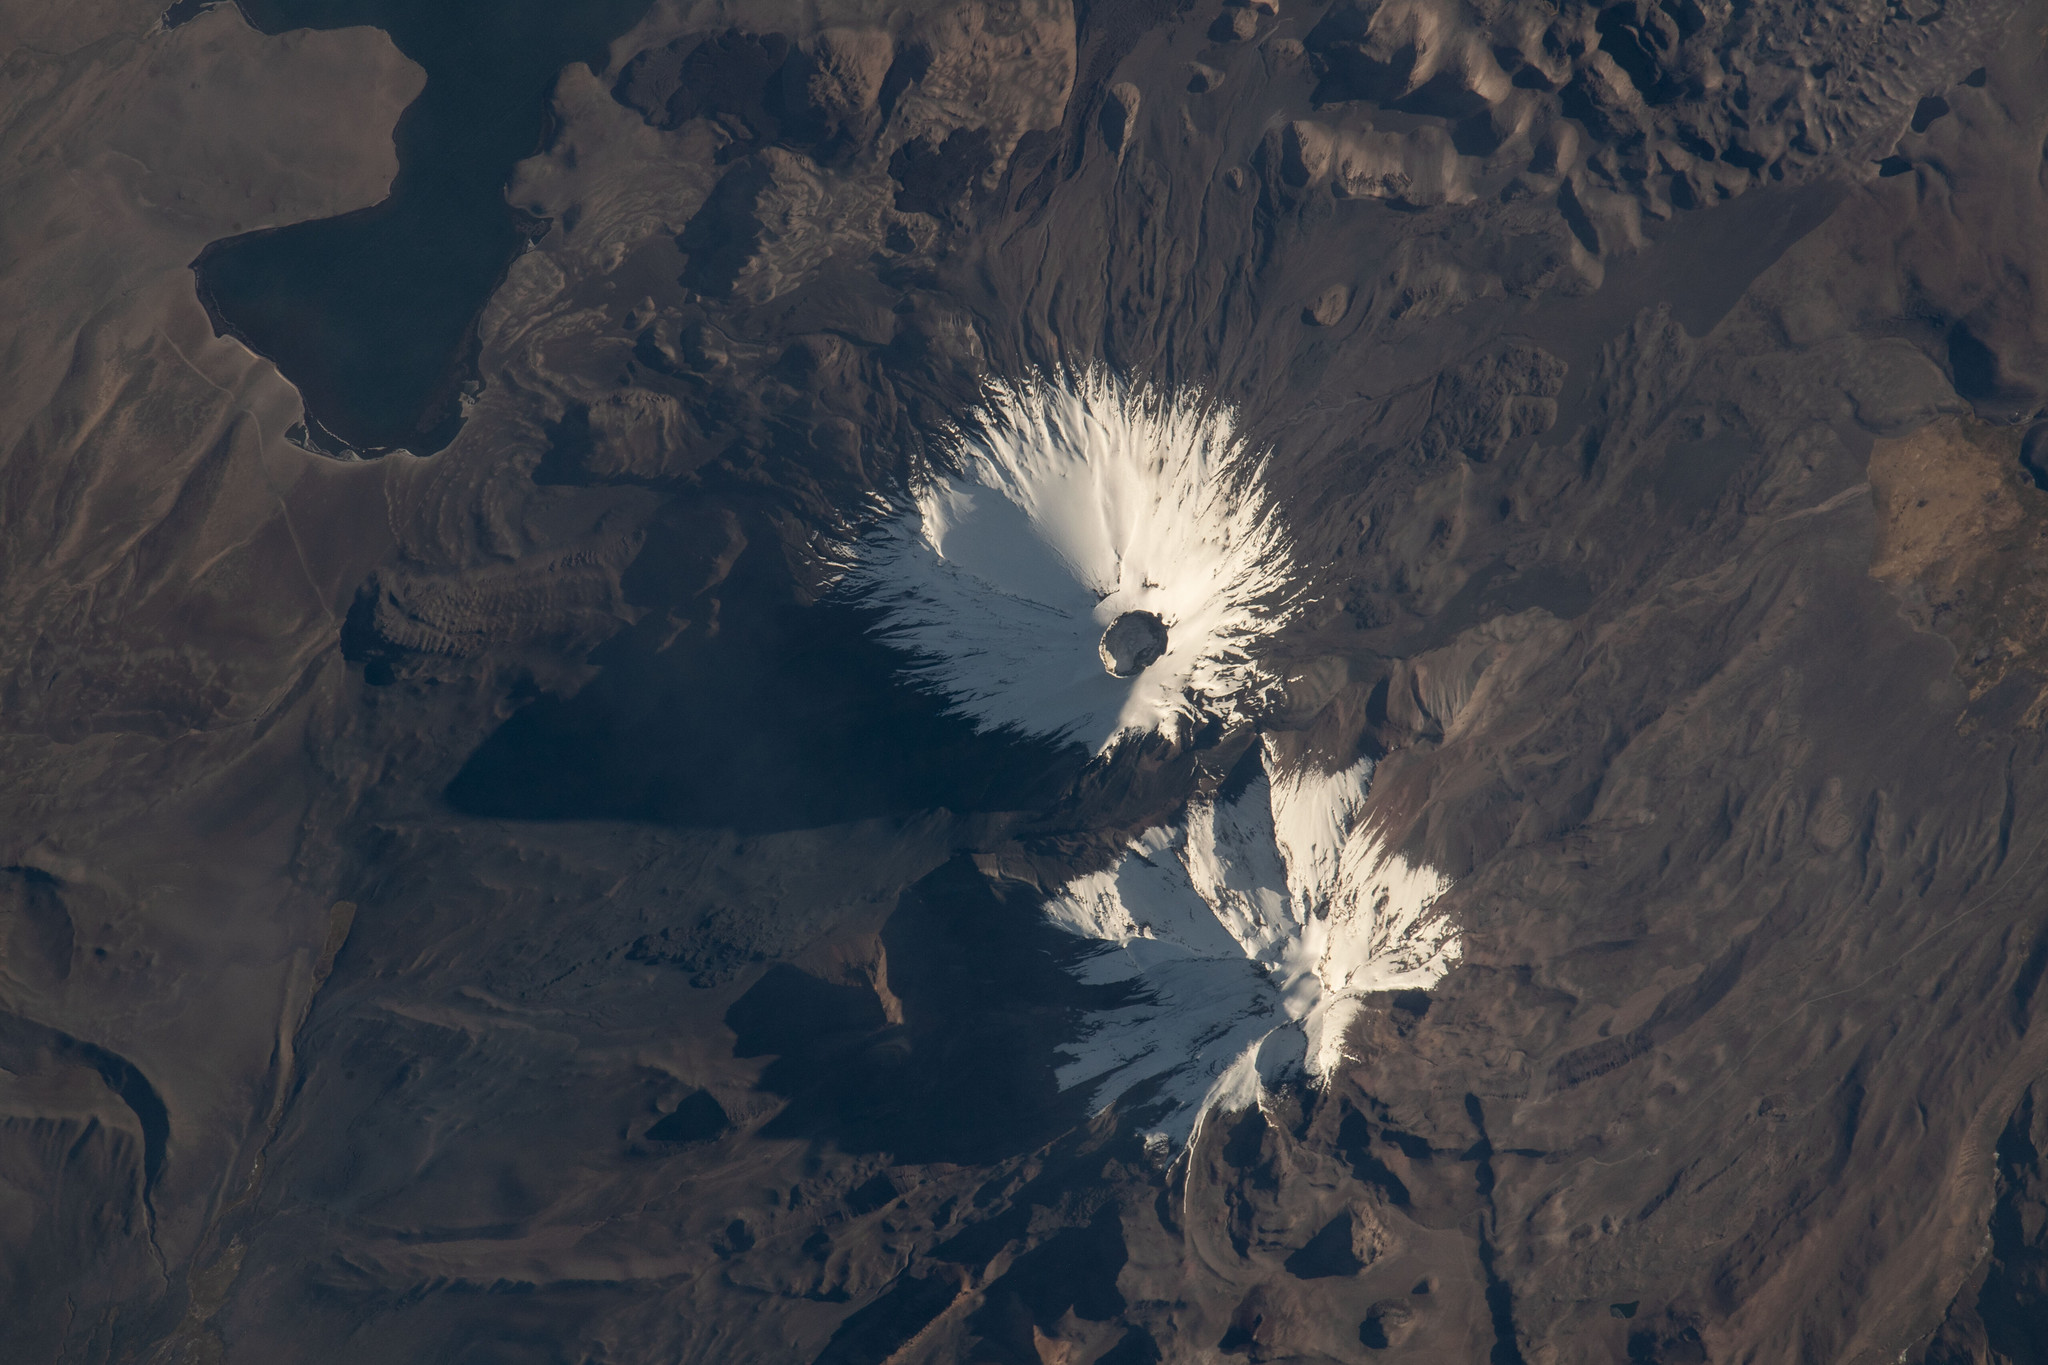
{"x": 372, "y": 314}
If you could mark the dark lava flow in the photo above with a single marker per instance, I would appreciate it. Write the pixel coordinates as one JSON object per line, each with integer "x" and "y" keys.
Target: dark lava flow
{"x": 371, "y": 314}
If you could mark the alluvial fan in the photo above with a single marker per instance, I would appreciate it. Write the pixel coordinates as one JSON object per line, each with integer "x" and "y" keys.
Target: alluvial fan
{"x": 1078, "y": 505}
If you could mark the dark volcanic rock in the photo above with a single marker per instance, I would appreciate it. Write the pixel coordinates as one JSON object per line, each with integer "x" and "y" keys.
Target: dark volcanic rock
{"x": 1134, "y": 642}
{"x": 508, "y": 906}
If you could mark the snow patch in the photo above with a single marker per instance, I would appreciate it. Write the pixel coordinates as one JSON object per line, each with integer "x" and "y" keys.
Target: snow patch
{"x": 1252, "y": 929}
{"x": 1074, "y": 503}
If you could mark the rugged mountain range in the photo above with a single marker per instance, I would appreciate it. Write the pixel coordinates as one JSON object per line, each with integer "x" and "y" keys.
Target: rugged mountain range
{"x": 474, "y": 892}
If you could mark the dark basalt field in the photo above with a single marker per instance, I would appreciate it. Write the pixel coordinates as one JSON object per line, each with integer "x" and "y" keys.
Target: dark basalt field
{"x": 475, "y": 890}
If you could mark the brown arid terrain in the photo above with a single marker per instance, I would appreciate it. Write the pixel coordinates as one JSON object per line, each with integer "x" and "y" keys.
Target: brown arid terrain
{"x": 473, "y": 894}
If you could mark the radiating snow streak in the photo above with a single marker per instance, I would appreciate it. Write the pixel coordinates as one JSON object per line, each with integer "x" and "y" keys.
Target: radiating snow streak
{"x": 1073, "y": 503}
{"x": 1252, "y": 929}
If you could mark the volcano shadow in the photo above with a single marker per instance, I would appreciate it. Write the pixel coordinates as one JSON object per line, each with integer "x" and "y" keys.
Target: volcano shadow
{"x": 969, "y": 1074}
{"x": 789, "y": 717}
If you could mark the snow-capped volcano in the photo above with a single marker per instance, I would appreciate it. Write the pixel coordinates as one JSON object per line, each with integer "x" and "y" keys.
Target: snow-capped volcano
{"x": 1101, "y": 561}
{"x": 1252, "y": 926}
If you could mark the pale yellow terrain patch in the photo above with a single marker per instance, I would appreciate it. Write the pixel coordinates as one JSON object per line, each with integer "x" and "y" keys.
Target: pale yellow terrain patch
{"x": 1962, "y": 538}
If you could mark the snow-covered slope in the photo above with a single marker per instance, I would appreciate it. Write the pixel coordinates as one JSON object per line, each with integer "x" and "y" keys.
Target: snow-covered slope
{"x": 1252, "y": 927}
{"x": 1074, "y": 502}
